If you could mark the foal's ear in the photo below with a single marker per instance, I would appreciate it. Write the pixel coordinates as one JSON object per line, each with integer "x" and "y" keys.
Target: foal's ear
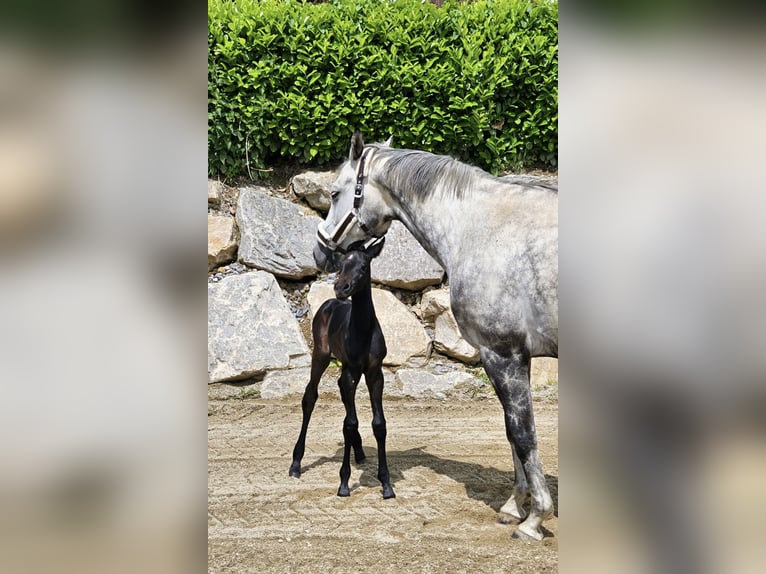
{"x": 374, "y": 250}
{"x": 357, "y": 146}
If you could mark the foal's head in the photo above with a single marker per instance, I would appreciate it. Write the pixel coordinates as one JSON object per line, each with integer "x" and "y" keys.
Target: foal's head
{"x": 355, "y": 270}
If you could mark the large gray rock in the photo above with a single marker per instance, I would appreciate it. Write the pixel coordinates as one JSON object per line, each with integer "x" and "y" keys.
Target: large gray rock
{"x": 283, "y": 383}
{"x": 250, "y": 329}
{"x": 403, "y": 263}
{"x": 319, "y": 292}
{"x": 214, "y": 189}
{"x": 421, "y": 383}
{"x": 406, "y": 339}
{"x": 435, "y": 307}
{"x": 221, "y": 240}
{"x": 314, "y": 187}
{"x": 292, "y": 382}
{"x": 277, "y": 235}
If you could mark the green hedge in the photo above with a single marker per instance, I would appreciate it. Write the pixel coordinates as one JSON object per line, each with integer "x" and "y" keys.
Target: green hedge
{"x": 291, "y": 79}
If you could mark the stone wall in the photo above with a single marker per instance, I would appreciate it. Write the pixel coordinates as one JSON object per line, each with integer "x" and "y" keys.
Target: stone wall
{"x": 263, "y": 289}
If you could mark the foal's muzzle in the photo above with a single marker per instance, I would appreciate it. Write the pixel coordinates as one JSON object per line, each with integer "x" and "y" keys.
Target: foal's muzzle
{"x": 342, "y": 290}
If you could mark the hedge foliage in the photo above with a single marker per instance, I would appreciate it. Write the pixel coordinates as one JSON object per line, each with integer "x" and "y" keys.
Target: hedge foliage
{"x": 292, "y": 79}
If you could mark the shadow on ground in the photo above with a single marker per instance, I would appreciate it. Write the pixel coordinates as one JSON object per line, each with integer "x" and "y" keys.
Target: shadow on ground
{"x": 483, "y": 483}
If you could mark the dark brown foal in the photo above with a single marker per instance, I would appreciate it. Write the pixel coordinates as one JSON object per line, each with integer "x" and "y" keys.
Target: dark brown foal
{"x": 349, "y": 330}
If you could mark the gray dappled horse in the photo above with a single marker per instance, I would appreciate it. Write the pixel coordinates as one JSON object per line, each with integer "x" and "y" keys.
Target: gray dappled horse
{"x": 497, "y": 239}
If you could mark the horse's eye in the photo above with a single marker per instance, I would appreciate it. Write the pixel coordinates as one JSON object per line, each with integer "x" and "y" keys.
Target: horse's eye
{"x": 334, "y": 193}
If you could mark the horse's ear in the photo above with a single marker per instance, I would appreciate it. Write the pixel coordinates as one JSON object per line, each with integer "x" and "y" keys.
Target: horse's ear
{"x": 388, "y": 142}
{"x": 357, "y": 146}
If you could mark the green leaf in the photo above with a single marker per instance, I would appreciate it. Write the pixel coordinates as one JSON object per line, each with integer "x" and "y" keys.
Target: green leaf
{"x": 301, "y": 75}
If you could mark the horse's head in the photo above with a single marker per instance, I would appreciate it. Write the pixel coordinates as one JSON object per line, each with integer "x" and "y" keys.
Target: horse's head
{"x": 358, "y": 212}
{"x": 354, "y": 272}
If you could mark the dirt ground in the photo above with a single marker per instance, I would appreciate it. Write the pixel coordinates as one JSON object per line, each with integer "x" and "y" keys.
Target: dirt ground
{"x": 451, "y": 468}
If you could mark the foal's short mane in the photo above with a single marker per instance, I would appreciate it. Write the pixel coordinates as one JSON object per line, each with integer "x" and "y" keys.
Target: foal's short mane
{"x": 421, "y": 174}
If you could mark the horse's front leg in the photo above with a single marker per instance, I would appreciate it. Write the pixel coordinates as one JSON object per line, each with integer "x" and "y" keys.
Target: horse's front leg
{"x": 510, "y": 378}
{"x": 351, "y": 437}
{"x": 374, "y": 378}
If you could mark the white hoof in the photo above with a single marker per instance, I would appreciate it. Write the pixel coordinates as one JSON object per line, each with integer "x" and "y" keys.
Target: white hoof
{"x": 511, "y": 513}
{"x": 528, "y": 533}
{"x": 505, "y": 518}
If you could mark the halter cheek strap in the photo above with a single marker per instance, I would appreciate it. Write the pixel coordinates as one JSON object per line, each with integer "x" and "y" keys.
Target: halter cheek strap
{"x": 334, "y": 239}
{"x": 359, "y": 190}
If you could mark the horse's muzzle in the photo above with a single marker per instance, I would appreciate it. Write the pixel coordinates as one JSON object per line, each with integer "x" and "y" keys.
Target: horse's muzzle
{"x": 326, "y": 260}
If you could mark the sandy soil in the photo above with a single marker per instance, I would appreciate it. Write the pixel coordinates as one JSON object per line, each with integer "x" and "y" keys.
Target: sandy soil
{"x": 451, "y": 468}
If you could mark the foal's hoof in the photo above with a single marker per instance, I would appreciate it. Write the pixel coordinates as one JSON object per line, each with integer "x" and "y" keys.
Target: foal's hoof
{"x": 343, "y": 491}
{"x": 295, "y": 471}
{"x": 388, "y": 492}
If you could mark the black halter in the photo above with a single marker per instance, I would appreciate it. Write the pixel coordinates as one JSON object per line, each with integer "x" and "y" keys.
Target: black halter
{"x": 359, "y": 192}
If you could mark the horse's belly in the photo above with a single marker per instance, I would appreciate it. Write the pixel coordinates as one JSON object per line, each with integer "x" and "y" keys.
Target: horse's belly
{"x": 505, "y": 321}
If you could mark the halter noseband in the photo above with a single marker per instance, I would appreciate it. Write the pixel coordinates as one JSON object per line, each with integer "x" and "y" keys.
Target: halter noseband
{"x": 333, "y": 240}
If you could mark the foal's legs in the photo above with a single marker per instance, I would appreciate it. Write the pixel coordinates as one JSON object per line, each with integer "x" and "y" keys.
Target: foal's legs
{"x": 510, "y": 378}
{"x": 351, "y": 436}
{"x": 319, "y": 362}
{"x": 374, "y": 378}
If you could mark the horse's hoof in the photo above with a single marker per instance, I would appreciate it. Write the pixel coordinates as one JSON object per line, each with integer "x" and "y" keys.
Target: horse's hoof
{"x": 388, "y": 493}
{"x": 344, "y": 491}
{"x": 527, "y": 534}
{"x": 359, "y": 457}
{"x": 505, "y": 518}
{"x": 295, "y": 471}
{"x": 511, "y": 513}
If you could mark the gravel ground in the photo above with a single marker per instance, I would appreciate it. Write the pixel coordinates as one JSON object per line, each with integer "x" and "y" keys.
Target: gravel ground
{"x": 451, "y": 469}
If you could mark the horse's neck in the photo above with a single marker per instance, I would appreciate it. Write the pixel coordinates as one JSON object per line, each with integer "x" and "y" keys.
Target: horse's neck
{"x": 362, "y": 312}
{"x": 442, "y": 224}
{"x": 436, "y": 224}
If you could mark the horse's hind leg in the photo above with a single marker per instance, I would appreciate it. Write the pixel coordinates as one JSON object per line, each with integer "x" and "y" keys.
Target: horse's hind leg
{"x": 351, "y": 435}
{"x": 374, "y": 378}
{"x": 319, "y": 362}
{"x": 510, "y": 378}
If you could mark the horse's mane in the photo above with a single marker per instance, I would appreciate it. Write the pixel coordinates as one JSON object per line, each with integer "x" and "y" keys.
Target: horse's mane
{"x": 421, "y": 174}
